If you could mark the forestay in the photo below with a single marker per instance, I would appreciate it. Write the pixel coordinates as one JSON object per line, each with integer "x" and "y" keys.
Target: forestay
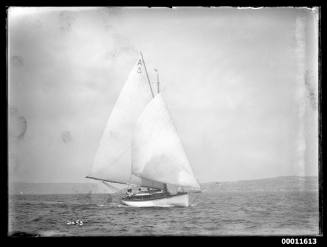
{"x": 157, "y": 152}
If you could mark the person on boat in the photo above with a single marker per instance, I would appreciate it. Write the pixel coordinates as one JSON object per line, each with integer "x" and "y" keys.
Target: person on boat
{"x": 129, "y": 192}
{"x": 165, "y": 189}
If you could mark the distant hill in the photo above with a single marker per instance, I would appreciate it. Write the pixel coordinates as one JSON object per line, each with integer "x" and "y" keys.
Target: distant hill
{"x": 58, "y": 188}
{"x": 287, "y": 183}
{"x": 291, "y": 183}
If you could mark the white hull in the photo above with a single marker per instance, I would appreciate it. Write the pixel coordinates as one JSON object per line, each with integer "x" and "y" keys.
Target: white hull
{"x": 171, "y": 201}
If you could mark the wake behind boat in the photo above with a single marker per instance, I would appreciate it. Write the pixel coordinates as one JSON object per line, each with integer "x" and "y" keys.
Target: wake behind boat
{"x": 140, "y": 148}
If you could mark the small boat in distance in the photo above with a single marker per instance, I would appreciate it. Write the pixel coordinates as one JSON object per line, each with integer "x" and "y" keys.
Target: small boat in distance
{"x": 140, "y": 148}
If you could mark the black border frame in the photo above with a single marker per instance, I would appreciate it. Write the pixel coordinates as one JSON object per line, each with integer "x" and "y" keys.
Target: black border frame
{"x": 228, "y": 240}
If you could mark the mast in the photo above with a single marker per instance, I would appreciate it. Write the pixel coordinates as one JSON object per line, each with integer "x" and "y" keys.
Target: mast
{"x": 147, "y": 76}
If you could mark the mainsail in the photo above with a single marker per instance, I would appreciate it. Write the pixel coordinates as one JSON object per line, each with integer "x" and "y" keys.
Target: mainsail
{"x": 113, "y": 158}
{"x": 157, "y": 152}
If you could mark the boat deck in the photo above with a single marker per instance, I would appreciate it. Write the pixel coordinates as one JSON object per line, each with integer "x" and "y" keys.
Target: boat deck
{"x": 153, "y": 196}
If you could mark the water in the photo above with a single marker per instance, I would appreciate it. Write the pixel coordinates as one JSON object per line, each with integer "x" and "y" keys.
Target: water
{"x": 227, "y": 213}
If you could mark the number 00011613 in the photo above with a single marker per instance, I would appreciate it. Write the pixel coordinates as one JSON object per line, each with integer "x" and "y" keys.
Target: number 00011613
{"x": 299, "y": 241}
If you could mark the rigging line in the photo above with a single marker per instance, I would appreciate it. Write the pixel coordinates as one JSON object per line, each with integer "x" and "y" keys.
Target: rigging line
{"x": 147, "y": 76}
{"x": 157, "y": 80}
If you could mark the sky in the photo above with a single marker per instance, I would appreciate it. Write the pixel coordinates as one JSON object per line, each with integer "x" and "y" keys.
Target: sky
{"x": 241, "y": 86}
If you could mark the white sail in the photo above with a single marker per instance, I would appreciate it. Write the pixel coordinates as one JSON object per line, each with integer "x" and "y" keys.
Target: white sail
{"x": 157, "y": 152}
{"x": 113, "y": 158}
{"x": 146, "y": 182}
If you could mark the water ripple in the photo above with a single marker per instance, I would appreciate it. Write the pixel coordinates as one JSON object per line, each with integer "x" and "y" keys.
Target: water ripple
{"x": 213, "y": 214}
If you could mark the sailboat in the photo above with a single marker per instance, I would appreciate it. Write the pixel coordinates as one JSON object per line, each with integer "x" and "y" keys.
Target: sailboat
{"x": 140, "y": 147}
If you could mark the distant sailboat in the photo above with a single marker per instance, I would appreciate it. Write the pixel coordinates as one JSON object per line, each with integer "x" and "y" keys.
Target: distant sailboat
{"x": 140, "y": 147}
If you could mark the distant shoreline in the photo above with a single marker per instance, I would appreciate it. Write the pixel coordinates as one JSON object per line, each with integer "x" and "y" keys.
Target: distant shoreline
{"x": 282, "y": 183}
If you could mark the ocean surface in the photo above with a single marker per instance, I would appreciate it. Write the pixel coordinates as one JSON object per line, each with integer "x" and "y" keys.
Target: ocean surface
{"x": 218, "y": 213}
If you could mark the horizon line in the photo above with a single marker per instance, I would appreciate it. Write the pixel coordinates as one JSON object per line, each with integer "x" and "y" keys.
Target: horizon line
{"x": 217, "y": 181}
